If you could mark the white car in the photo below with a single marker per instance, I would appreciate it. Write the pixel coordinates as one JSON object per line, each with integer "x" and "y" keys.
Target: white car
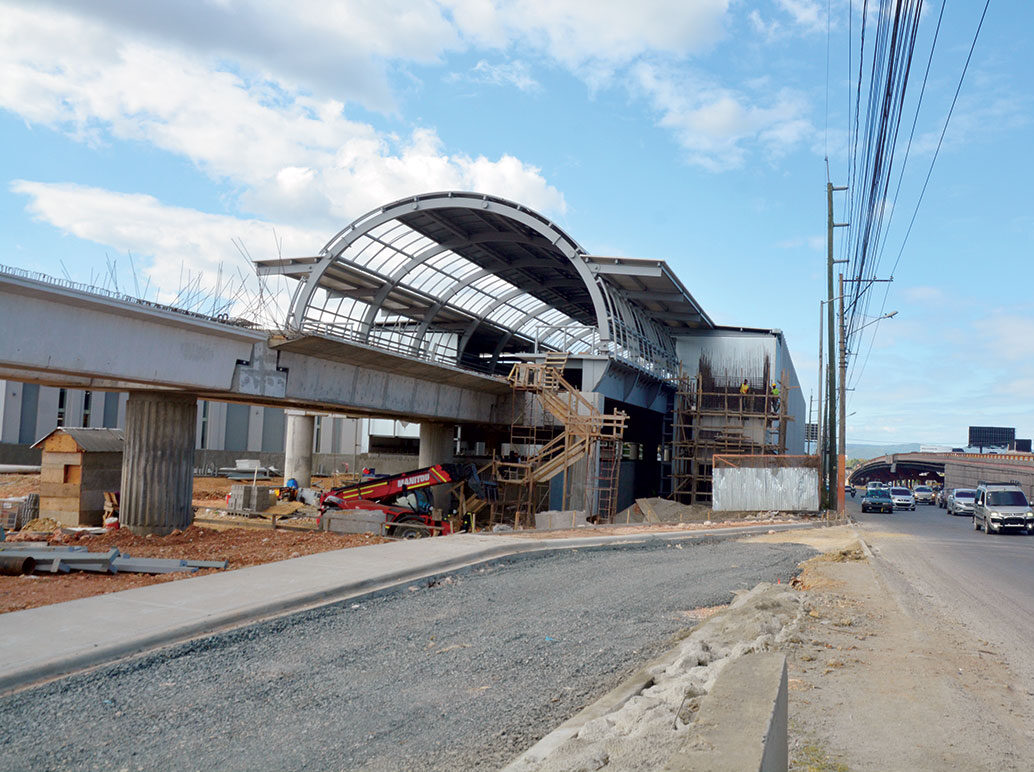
{"x": 902, "y": 498}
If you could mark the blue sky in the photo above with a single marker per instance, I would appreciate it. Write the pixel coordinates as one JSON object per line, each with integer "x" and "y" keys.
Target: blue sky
{"x": 688, "y": 130}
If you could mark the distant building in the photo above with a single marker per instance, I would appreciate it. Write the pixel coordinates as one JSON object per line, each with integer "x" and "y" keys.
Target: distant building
{"x": 225, "y": 431}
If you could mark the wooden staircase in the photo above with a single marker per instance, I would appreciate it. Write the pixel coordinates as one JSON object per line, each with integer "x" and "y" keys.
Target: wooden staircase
{"x": 587, "y": 432}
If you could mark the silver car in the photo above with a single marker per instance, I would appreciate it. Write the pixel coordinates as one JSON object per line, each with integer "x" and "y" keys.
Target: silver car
{"x": 960, "y": 501}
{"x": 902, "y": 498}
{"x": 923, "y": 494}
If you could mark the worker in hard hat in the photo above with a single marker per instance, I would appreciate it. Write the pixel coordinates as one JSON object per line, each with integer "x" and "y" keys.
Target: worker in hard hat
{"x": 774, "y": 391}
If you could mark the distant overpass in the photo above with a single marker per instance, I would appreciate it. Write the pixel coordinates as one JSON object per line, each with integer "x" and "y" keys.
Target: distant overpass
{"x": 956, "y": 470}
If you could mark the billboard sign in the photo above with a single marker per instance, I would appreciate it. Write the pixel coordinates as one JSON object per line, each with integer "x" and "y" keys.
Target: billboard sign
{"x": 991, "y": 436}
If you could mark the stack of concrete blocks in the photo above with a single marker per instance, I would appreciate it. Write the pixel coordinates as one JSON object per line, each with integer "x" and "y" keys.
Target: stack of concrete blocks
{"x": 353, "y": 521}
{"x": 250, "y": 498}
{"x": 553, "y": 519}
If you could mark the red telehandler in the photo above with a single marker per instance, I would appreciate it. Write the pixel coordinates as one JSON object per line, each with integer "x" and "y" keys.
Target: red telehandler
{"x": 405, "y": 499}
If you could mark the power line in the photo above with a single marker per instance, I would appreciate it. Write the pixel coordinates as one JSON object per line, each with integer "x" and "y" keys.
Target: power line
{"x": 858, "y": 374}
{"x": 944, "y": 130}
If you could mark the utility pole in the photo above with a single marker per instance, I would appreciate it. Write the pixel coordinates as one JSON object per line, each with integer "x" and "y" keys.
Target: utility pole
{"x": 842, "y": 446}
{"x": 807, "y": 442}
{"x": 818, "y": 413}
{"x": 831, "y": 388}
{"x": 830, "y": 385}
{"x": 842, "y": 438}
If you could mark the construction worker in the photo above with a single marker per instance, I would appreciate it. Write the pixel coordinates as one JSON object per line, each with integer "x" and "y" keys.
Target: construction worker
{"x": 775, "y": 398}
{"x": 744, "y": 389}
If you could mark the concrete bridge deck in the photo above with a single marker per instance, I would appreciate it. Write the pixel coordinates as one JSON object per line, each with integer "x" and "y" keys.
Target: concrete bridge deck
{"x": 63, "y": 336}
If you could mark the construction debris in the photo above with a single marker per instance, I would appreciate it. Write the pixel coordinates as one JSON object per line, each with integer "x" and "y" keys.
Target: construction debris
{"x": 41, "y": 525}
{"x": 53, "y": 560}
{"x": 250, "y": 498}
{"x": 15, "y": 512}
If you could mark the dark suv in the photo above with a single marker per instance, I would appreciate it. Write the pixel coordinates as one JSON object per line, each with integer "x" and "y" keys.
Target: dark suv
{"x": 1001, "y": 505}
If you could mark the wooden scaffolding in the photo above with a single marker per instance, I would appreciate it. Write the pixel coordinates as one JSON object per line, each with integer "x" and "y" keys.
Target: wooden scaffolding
{"x": 712, "y": 418}
{"x": 549, "y": 435}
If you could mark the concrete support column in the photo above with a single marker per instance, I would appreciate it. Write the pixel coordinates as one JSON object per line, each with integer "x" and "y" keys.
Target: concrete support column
{"x": 158, "y": 462}
{"x": 298, "y": 447}
{"x": 437, "y": 446}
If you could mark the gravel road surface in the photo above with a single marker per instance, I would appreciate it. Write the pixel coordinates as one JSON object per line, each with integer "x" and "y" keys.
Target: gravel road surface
{"x": 463, "y": 673}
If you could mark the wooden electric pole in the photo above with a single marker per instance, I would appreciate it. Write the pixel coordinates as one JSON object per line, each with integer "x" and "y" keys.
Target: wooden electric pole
{"x": 842, "y": 444}
{"x": 832, "y": 476}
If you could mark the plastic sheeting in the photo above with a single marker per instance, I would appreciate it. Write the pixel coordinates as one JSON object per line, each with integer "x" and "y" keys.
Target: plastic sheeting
{"x": 793, "y": 489}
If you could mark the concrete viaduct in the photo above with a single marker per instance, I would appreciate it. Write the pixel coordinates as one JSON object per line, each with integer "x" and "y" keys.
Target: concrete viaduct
{"x": 413, "y": 311}
{"x": 167, "y": 359}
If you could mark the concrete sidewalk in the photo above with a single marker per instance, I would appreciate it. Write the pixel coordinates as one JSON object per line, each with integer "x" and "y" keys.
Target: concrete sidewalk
{"x": 44, "y": 642}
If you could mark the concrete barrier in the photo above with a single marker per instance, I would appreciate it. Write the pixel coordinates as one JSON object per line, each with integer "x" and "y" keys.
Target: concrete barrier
{"x": 742, "y": 722}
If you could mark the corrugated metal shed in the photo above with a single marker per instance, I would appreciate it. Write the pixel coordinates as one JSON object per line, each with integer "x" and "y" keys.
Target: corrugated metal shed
{"x": 91, "y": 440}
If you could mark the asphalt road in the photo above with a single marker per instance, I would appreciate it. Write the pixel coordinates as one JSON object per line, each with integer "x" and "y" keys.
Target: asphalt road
{"x": 456, "y": 675}
{"x": 985, "y": 583}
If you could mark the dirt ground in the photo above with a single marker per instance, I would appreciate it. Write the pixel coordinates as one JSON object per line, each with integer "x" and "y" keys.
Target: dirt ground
{"x": 212, "y": 491}
{"x": 13, "y": 485}
{"x": 876, "y": 687}
{"x": 242, "y": 547}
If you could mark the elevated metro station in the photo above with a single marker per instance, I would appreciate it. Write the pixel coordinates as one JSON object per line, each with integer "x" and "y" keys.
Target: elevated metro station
{"x": 483, "y": 284}
{"x": 473, "y": 315}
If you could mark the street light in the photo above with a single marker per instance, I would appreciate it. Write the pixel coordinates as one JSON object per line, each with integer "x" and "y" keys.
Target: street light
{"x": 891, "y": 315}
{"x": 842, "y": 444}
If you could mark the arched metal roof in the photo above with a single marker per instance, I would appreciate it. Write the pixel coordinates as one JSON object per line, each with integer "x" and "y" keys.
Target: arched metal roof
{"x": 471, "y": 280}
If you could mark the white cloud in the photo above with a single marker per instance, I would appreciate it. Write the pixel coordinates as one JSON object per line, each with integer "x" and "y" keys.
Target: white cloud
{"x": 767, "y": 29}
{"x": 808, "y": 14}
{"x": 145, "y": 71}
{"x": 295, "y": 157}
{"x": 515, "y": 74}
{"x": 173, "y": 241}
{"x": 343, "y": 48}
{"x": 924, "y": 294}
{"x": 1008, "y": 336}
{"x": 716, "y": 125}
{"x": 334, "y": 47}
{"x": 605, "y": 32}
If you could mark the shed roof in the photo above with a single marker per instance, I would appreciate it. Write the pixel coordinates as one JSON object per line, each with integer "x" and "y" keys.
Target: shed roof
{"x": 91, "y": 440}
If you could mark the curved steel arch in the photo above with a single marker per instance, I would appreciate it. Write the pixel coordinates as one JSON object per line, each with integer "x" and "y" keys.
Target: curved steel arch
{"x": 557, "y": 238}
{"x": 439, "y": 270}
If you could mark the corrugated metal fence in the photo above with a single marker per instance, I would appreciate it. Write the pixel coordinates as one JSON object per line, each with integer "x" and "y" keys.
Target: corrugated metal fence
{"x": 783, "y": 483}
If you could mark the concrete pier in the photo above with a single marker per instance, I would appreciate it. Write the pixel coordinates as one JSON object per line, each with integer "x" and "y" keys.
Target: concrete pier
{"x": 298, "y": 447}
{"x": 437, "y": 446}
{"x": 158, "y": 462}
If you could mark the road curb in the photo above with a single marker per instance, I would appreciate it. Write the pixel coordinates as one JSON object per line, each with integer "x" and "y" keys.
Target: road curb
{"x": 764, "y": 737}
{"x": 861, "y": 540}
{"x": 99, "y": 654}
